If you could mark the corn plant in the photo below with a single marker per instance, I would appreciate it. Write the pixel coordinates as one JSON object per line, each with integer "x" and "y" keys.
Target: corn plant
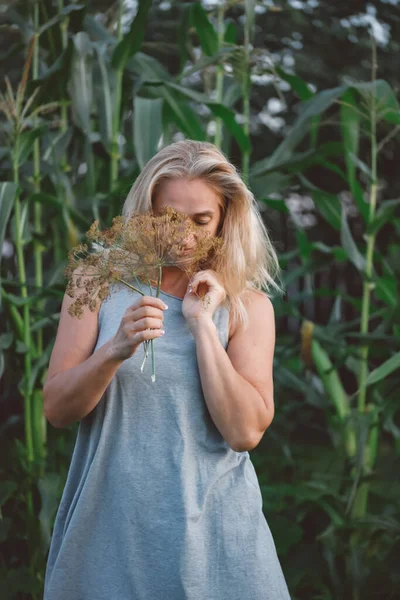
{"x": 91, "y": 105}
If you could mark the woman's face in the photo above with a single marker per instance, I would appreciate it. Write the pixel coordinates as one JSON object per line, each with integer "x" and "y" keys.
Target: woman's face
{"x": 194, "y": 198}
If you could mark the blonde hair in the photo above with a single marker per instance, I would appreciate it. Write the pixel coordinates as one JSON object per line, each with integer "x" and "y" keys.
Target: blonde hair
{"x": 249, "y": 260}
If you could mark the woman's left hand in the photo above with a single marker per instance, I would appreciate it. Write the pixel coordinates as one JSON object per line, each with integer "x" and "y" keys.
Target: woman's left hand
{"x": 203, "y": 296}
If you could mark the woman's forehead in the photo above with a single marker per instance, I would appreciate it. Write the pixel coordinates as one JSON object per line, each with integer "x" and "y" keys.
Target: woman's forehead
{"x": 188, "y": 196}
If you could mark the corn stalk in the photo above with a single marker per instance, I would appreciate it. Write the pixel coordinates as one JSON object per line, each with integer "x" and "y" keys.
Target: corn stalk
{"x": 117, "y": 108}
{"x": 38, "y": 418}
{"x": 15, "y": 154}
{"x": 248, "y": 27}
{"x": 359, "y": 508}
{"x": 313, "y": 353}
{"x": 220, "y": 75}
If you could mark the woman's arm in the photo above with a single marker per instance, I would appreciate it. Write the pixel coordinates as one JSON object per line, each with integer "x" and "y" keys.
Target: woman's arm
{"x": 72, "y": 394}
{"x": 237, "y": 383}
{"x": 76, "y": 378}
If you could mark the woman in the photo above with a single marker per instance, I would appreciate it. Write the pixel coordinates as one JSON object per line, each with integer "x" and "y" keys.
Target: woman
{"x": 162, "y": 501}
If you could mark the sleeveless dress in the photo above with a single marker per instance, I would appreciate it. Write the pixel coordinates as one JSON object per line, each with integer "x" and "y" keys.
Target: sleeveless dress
{"x": 156, "y": 504}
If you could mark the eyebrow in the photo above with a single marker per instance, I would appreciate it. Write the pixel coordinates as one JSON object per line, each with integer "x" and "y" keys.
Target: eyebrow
{"x": 208, "y": 213}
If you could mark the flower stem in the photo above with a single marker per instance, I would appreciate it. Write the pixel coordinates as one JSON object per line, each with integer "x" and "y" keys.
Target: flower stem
{"x": 130, "y": 286}
{"x": 153, "y": 376}
{"x": 153, "y": 356}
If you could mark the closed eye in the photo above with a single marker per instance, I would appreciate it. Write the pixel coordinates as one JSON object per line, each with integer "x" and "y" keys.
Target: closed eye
{"x": 202, "y": 223}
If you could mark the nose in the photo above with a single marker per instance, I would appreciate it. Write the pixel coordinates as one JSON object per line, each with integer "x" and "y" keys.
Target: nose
{"x": 190, "y": 241}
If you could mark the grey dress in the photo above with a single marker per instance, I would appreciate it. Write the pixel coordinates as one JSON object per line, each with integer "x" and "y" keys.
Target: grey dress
{"x": 156, "y": 505}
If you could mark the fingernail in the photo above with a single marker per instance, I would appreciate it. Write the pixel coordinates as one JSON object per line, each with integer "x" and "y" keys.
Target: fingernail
{"x": 162, "y": 331}
{"x": 165, "y": 307}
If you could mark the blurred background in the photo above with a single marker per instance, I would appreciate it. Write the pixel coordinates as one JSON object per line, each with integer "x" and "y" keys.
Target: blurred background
{"x": 301, "y": 95}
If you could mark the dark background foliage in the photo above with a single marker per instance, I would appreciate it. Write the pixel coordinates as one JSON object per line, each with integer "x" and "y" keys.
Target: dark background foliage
{"x": 333, "y": 507}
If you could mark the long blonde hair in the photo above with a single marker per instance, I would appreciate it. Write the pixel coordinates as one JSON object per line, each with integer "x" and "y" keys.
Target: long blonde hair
{"x": 249, "y": 260}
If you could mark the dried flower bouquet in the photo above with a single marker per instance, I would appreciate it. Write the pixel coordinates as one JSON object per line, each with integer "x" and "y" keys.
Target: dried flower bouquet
{"x": 136, "y": 249}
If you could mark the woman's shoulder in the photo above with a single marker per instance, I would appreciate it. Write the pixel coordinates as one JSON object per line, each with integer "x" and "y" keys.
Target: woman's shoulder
{"x": 253, "y": 299}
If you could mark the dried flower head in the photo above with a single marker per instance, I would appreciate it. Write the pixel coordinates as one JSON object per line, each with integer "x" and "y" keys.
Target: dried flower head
{"x": 136, "y": 247}
{"x": 169, "y": 239}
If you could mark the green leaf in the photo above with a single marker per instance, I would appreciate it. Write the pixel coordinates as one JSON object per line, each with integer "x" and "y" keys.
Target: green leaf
{"x": 232, "y": 93}
{"x": 327, "y": 164}
{"x": 384, "y": 214}
{"x": 19, "y": 581}
{"x": 6, "y": 339}
{"x": 55, "y": 147}
{"x": 294, "y": 162}
{"x": 49, "y": 487}
{"x": 60, "y": 66}
{"x": 329, "y": 207}
{"x": 97, "y": 31}
{"x": 80, "y": 85}
{"x": 250, "y": 17}
{"x": 380, "y": 94}
{"x": 149, "y": 68}
{"x": 131, "y": 42}
{"x": 183, "y": 40}
{"x": 386, "y": 290}
{"x": 36, "y": 371}
{"x": 20, "y": 347}
{"x": 219, "y": 110}
{"x": 147, "y": 127}
{"x": 305, "y": 246}
{"x": 207, "y": 35}
{"x": 350, "y": 124}
{"x": 13, "y": 50}
{"x": 228, "y": 117}
{"x": 335, "y": 516}
{"x": 330, "y": 378}
{"x": 301, "y": 160}
{"x": 269, "y": 184}
{"x": 62, "y": 14}
{"x": 337, "y": 251}
{"x": 287, "y": 533}
{"x": 230, "y": 33}
{"x": 297, "y": 84}
{"x": 220, "y": 56}
{"x": 320, "y": 102}
{"x": 387, "y": 368}
{"x": 349, "y": 245}
{"x": 26, "y": 142}
{"x": 362, "y": 166}
{"x": 8, "y": 192}
{"x": 62, "y": 206}
{"x": 7, "y": 488}
{"x": 105, "y": 86}
{"x": 311, "y": 108}
{"x": 5, "y": 526}
{"x": 180, "y": 113}
{"x": 279, "y": 205}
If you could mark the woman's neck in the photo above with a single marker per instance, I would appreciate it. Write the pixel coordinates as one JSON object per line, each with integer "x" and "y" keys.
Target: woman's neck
{"x": 174, "y": 281}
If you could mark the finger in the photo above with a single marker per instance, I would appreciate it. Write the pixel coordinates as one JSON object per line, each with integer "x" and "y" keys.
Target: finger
{"x": 149, "y": 301}
{"x": 146, "y": 323}
{"x": 147, "y": 334}
{"x": 147, "y": 311}
{"x": 202, "y": 279}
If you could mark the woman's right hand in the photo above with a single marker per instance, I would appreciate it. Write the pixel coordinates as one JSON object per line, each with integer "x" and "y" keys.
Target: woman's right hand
{"x": 142, "y": 321}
